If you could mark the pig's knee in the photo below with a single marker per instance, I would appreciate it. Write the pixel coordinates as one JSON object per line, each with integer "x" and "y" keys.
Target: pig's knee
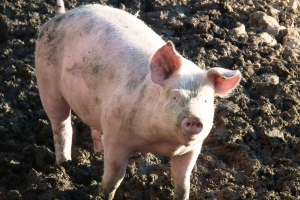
{"x": 97, "y": 140}
{"x": 58, "y": 110}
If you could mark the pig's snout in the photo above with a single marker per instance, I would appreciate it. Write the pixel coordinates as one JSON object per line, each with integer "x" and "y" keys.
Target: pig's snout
{"x": 192, "y": 125}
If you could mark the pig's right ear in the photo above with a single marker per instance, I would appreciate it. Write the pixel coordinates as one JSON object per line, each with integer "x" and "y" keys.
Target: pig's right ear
{"x": 224, "y": 80}
{"x": 164, "y": 63}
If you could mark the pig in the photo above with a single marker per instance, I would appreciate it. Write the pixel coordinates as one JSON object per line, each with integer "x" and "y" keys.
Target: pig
{"x": 134, "y": 90}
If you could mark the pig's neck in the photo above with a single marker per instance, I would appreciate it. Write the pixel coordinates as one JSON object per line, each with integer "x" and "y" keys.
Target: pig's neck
{"x": 146, "y": 118}
{"x": 147, "y": 100}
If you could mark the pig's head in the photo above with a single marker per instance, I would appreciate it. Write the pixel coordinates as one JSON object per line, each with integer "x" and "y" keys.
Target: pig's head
{"x": 186, "y": 101}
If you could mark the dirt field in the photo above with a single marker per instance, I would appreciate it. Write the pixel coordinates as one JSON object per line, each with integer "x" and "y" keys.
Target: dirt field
{"x": 253, "y": 150}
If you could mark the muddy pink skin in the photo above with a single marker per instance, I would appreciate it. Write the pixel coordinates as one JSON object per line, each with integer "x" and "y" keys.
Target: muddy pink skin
{"x": 134, "y": 90}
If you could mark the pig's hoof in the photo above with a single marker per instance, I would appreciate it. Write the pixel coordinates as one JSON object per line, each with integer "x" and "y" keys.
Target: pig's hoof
{"x": 67, "y": 165}
{"x": 98, "y": 153}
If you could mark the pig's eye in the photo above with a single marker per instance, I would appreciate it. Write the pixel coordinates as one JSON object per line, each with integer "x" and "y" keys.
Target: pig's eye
{"x": 175, "y": 97}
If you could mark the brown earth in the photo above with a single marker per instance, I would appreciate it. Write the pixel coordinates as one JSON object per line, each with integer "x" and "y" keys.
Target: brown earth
{"x": 253, "y": 150}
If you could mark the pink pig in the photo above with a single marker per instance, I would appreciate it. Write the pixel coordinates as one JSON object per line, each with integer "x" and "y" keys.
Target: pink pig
{"x": 135, "y": 91}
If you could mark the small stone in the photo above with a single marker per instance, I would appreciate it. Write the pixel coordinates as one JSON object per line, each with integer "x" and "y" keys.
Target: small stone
{"x": 122, "y": 6}
{"x": 271, "y": 78}
{"x": 267, "y": 38}
{"x": 192, "y": 22}
{"x": 272, "y": 11}
{"x": 294, "y": 6}
{"x": 240, "y": 30}
{"x": 288, "y": 52}
{"x": 275, "y": 133}
{"x": 255, "y": 17}
{"x": 293, "y": 32}
{"x": 282, "y": 4}
{"x": 275, "y": 30}
{"x": 297, "y": 52}
{"x": 266, "y": 21}
{"x": 270, "y": 24}
{"x": 291, "y": 41}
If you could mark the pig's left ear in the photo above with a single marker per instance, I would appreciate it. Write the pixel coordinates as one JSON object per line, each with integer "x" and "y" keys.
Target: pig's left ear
{"x": 164, "y": 63}
{"x": 224, "y": 80}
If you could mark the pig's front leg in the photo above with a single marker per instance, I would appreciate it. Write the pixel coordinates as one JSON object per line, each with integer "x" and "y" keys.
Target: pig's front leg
{"x": 182, "y": 167}
{"x": 115, "y": 162}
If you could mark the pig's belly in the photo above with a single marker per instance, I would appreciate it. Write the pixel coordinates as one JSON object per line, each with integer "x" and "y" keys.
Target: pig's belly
{"x": 86, "y": 103}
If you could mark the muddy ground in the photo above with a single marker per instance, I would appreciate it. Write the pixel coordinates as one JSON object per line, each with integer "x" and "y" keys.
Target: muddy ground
{"x": 253, "y": 150}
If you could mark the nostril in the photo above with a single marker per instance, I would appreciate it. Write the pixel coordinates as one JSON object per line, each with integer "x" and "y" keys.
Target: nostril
{"x": 192, "y": 125}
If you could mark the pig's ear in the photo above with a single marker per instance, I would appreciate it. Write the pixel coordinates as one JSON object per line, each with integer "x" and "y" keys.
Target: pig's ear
{"x": 164, "y": 63}
{"x": 224, "y": 80}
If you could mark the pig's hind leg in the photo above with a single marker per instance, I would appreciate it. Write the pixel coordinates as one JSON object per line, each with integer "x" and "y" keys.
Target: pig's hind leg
{"x": 58, "y": 111}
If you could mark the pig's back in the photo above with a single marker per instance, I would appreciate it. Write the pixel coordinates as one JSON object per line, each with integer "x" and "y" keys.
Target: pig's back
{"x": 115, "y": 30}
{"x": 102, "y": 37}
{"x": 112, "y": 35}
{"x": 122, "y": 27}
